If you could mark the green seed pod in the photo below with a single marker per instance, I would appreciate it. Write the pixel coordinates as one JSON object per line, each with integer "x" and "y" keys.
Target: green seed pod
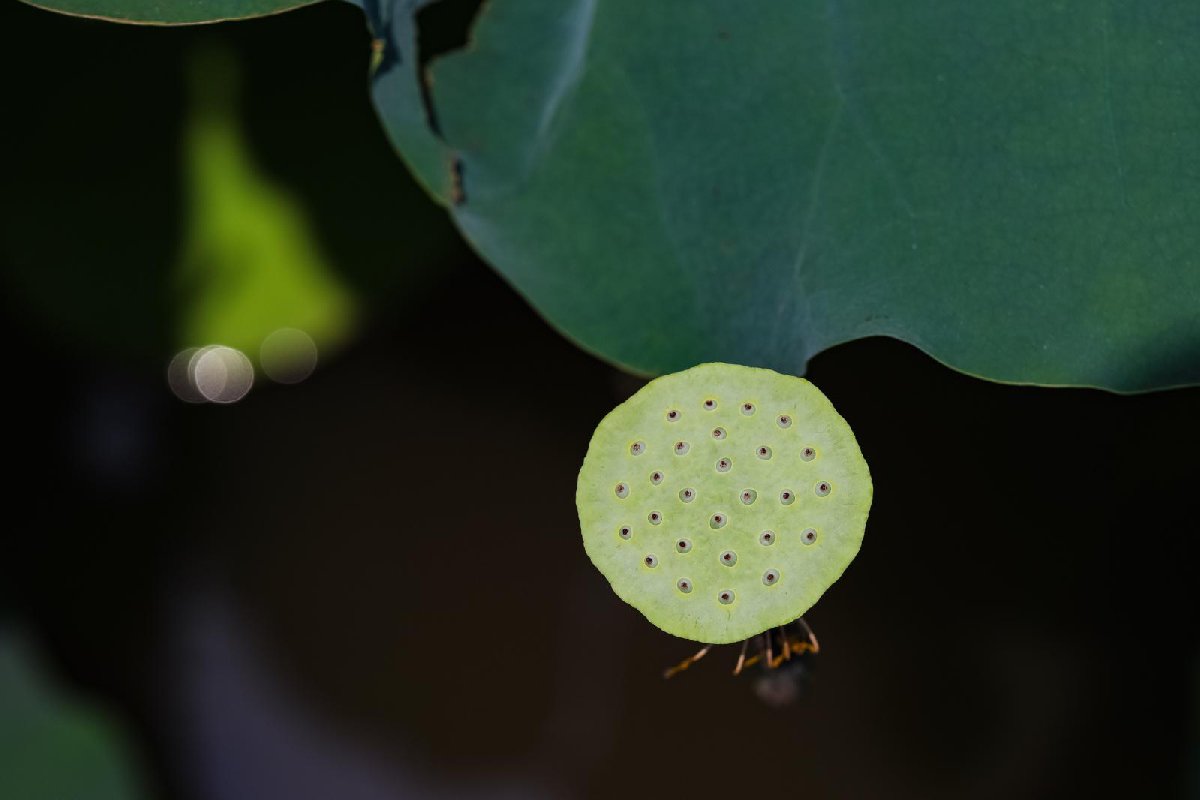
{"x": 723, "y": 500}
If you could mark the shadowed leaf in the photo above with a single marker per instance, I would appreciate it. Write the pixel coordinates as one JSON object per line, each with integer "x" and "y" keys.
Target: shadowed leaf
{"x": 169, "y": 12}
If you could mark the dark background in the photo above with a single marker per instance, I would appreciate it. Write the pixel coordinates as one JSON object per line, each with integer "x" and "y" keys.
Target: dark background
{"x": 371, "y": 585}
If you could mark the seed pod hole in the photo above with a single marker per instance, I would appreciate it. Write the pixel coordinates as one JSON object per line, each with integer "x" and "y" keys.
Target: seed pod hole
{"x": 650, "y": 560}
{"x": 808, "y": 536}
{"x": 724, "y": 465}
{"x": 637, "y": 448}
{"x": 710, "y": 404}
{"x": 729, "y": 558}
{"x": 747, "y": 408}
{"x": 718, "y": 433}
{"x": 622, "y": 490}
{"x": 717, "y": 521}
{"x": 784, "y": 421}
{"x": 656, "y": 477}
{"x": 683, "y": 546}
{"x": 654, "y": 517}
{"x": 787, "y": 497}
{"x": 770, "y": 577}
{"x": 808, "y": 453}
{"x": 681, "y": 448}
{"x": 725, "y": 597}
{"x": 763, "y": 452}
{"x": 684, "y": 585}
{"x": 766, "y": 538}
{"x": 823, "y": 489}
{"x": 687, "y": 495}
{"x": 748, "y": 496}
{"x": 672, "y": 415}
{"x": 625, "y": 532}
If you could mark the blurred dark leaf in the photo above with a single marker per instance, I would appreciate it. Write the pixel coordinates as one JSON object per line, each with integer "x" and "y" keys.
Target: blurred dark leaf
{"x": 53, "y": 747}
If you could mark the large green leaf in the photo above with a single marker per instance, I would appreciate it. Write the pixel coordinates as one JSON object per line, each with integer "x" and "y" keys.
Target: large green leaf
{"x": 169, "y": 12}
{"x": 1011, "y": 186}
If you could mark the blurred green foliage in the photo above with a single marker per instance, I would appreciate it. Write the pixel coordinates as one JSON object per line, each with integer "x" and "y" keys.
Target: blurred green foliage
{"x": 53, "y": 747}
{"x": 152, "y": 209}
{"x": 250, "y": 262}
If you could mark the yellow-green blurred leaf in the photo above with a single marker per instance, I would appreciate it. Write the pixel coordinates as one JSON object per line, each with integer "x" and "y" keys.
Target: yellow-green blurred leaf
{"x": 250, "y": 263}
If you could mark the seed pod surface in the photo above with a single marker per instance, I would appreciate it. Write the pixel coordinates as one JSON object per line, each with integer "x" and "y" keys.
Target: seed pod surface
{"x": 803, "y": 481}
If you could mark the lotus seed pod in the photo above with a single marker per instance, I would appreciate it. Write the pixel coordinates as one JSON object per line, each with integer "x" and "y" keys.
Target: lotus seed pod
{"x": 742, "y": 529}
